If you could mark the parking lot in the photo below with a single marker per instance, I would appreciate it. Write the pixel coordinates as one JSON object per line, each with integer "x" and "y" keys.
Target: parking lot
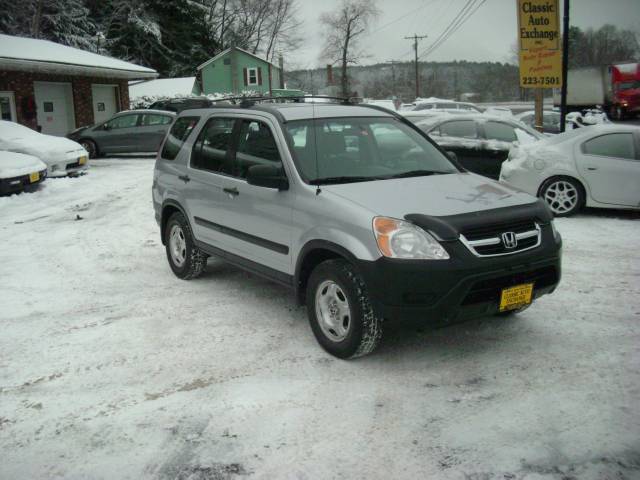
{"x": 111, "y": 367}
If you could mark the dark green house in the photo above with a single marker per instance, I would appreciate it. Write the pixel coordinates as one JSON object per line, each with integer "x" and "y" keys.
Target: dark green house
{"x": 236, "y": 71}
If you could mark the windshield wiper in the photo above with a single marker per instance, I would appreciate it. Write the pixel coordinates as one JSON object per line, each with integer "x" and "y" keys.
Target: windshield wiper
{"x": 417, "y": 173}
{"x": 345, "y": 179}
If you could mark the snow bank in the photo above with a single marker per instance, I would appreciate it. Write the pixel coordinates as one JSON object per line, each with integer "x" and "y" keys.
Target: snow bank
{"x": 166, "y": 87}
{"x": 145, "y": 101}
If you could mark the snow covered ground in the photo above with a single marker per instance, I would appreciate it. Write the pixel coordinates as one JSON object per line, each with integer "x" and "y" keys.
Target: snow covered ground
{"x": 110, "y": 367}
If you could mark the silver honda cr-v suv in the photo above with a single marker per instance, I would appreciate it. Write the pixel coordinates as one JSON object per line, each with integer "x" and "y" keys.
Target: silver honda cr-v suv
{"x": 355, "y": 209}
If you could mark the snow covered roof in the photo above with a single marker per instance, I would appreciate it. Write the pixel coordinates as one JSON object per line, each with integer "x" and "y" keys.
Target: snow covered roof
{"x": 223, "y": 53}
{"x": 33, "y": 55}
{"x": 166, "y": 87}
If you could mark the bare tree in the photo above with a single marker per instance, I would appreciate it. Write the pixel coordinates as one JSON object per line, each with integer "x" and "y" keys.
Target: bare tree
{"x": 344, "y": 27}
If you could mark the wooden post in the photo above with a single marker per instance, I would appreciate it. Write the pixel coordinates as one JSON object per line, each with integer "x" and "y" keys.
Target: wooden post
{"x": 539, "y": 116}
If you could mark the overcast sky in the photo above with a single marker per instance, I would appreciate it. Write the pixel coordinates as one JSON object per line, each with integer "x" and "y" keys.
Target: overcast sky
{"x": 487, "y": 35}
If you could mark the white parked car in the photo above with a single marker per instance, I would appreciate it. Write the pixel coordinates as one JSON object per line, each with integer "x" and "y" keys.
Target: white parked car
{"x": 499, "y": 111}
{"x": 388, "y": 104}
{"x": 61, "y": 155}
{"x": 448, "y": 106}
{"x": 19, "y": 172}
{"x": 597, "y": 166}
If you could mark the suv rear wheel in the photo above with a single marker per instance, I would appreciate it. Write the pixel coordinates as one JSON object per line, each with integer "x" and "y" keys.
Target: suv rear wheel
{"x": 341, "y": 316}
{"x": 185, "y": 259}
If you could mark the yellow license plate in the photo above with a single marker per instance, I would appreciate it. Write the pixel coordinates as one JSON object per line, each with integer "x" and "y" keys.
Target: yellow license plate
{"x": 82, "y": 160}
{"x": 516, "y": 297}
{"x": 34, "y": 177}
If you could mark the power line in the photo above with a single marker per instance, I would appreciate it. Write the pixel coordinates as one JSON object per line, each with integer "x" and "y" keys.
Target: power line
{"x": 424, "y": 5}
{"x": 451, "y": 24}
{"x": 461, "y": 20}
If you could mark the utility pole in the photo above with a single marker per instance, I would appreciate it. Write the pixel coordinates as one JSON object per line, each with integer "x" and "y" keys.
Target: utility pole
{"x": 415, "y": 39}
{"x": 565, "y": 65}
{"x": 393, "y": 73}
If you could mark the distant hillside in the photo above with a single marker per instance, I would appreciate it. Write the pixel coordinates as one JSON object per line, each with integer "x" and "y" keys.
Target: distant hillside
{"x": 490, "y": 81}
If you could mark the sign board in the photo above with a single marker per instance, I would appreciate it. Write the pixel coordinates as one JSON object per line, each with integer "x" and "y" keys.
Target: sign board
{"x": 539, "y": 44}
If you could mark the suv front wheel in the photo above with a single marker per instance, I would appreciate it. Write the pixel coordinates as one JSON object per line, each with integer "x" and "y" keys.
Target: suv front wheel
{"x": 341, "y": 316}
{"x": 185, "y": 259}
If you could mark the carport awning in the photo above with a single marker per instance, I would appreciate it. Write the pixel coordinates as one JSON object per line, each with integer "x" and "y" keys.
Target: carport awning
{"x": 42, "y": 56}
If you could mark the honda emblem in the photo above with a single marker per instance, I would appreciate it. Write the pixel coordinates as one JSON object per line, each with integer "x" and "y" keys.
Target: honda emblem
{"x": 510, "y": 240}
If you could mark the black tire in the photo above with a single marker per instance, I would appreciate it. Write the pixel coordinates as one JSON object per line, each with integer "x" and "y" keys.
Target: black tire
{"x": 90, "y": 146}
{"x": 560, "y": 209}
{"x": 194, "y": 259}
{"x": 365, "y": 327}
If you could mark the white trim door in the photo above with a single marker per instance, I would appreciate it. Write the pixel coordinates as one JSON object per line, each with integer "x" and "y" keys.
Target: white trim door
{"x": 8, "y": 106}
{"x": 105, "y": 102}
{"x": 54, "y": 103}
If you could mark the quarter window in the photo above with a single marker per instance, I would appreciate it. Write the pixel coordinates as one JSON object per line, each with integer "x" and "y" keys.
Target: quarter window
{"x": 499, "y": 131}
{"x": 618, "y": 145}
{"x": 463, "y": 129}
{"x": 256, "y": 146}
{"x": 178, "y": 134}
{"x": 211, "y": 150}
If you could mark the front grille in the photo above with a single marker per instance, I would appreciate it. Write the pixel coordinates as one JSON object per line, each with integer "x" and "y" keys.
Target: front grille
{"x": 496, "y": 229}
{"x": 73, "y": 165}
{"x": 490, "y": 290}
{"x": 488, "y": 240}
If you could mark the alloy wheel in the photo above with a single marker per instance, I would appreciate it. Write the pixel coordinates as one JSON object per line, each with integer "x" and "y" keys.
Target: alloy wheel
{"x": 332, "y": 311}
{"x": 561, "y": 196}
{"x": 177, "y": 245}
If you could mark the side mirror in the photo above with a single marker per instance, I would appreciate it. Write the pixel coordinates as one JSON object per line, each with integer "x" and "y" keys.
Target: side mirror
{"x": 106, "y": 126}
{"x": 267, "y": 176}
{"x": 452, "y": 156}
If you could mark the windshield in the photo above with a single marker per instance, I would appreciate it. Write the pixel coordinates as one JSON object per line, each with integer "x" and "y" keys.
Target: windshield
{"x": 344, "y": 150}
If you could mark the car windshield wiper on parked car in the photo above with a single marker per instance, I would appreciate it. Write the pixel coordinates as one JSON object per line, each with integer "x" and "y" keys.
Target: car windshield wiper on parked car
{"x": 344, "y": 179}
{"x": 417, "y": 173}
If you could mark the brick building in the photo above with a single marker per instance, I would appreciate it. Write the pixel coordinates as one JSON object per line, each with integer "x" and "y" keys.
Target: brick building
{"x": 55, "y": 88}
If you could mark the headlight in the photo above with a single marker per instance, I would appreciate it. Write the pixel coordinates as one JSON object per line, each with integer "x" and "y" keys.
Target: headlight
{"x": 400, "y": 239}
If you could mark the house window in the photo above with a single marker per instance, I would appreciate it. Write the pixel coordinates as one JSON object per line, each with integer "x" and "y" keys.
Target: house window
{"x": 252, "y": 75}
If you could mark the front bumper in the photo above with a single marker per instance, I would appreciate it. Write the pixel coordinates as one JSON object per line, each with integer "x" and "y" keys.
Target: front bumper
{"x": 461, "y": 288}
{"x": 19, "y": 183}
{"x": 70, "y": 165}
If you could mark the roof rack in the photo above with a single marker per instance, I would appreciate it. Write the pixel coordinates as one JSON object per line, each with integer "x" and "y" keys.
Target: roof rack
{"x": 249, "y": 101}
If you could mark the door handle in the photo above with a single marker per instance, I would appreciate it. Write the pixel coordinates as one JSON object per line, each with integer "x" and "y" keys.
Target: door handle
{"x": 233, "y": 191}
{"x": 184, "y": 178}
{"x": 592, "y": 168}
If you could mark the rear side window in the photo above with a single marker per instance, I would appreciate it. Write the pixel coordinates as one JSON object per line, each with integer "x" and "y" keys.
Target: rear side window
{"x": 123, "y": 121}
{"x": 256, "y": 146}
{"x": 618, "y": 145}
{"x": 499, "y": 131}
{"x": 211, "y": 150}
{"x": 151, "y": 119}
{"x": 462, "y": 129}
{"x": 177, "y": 136}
